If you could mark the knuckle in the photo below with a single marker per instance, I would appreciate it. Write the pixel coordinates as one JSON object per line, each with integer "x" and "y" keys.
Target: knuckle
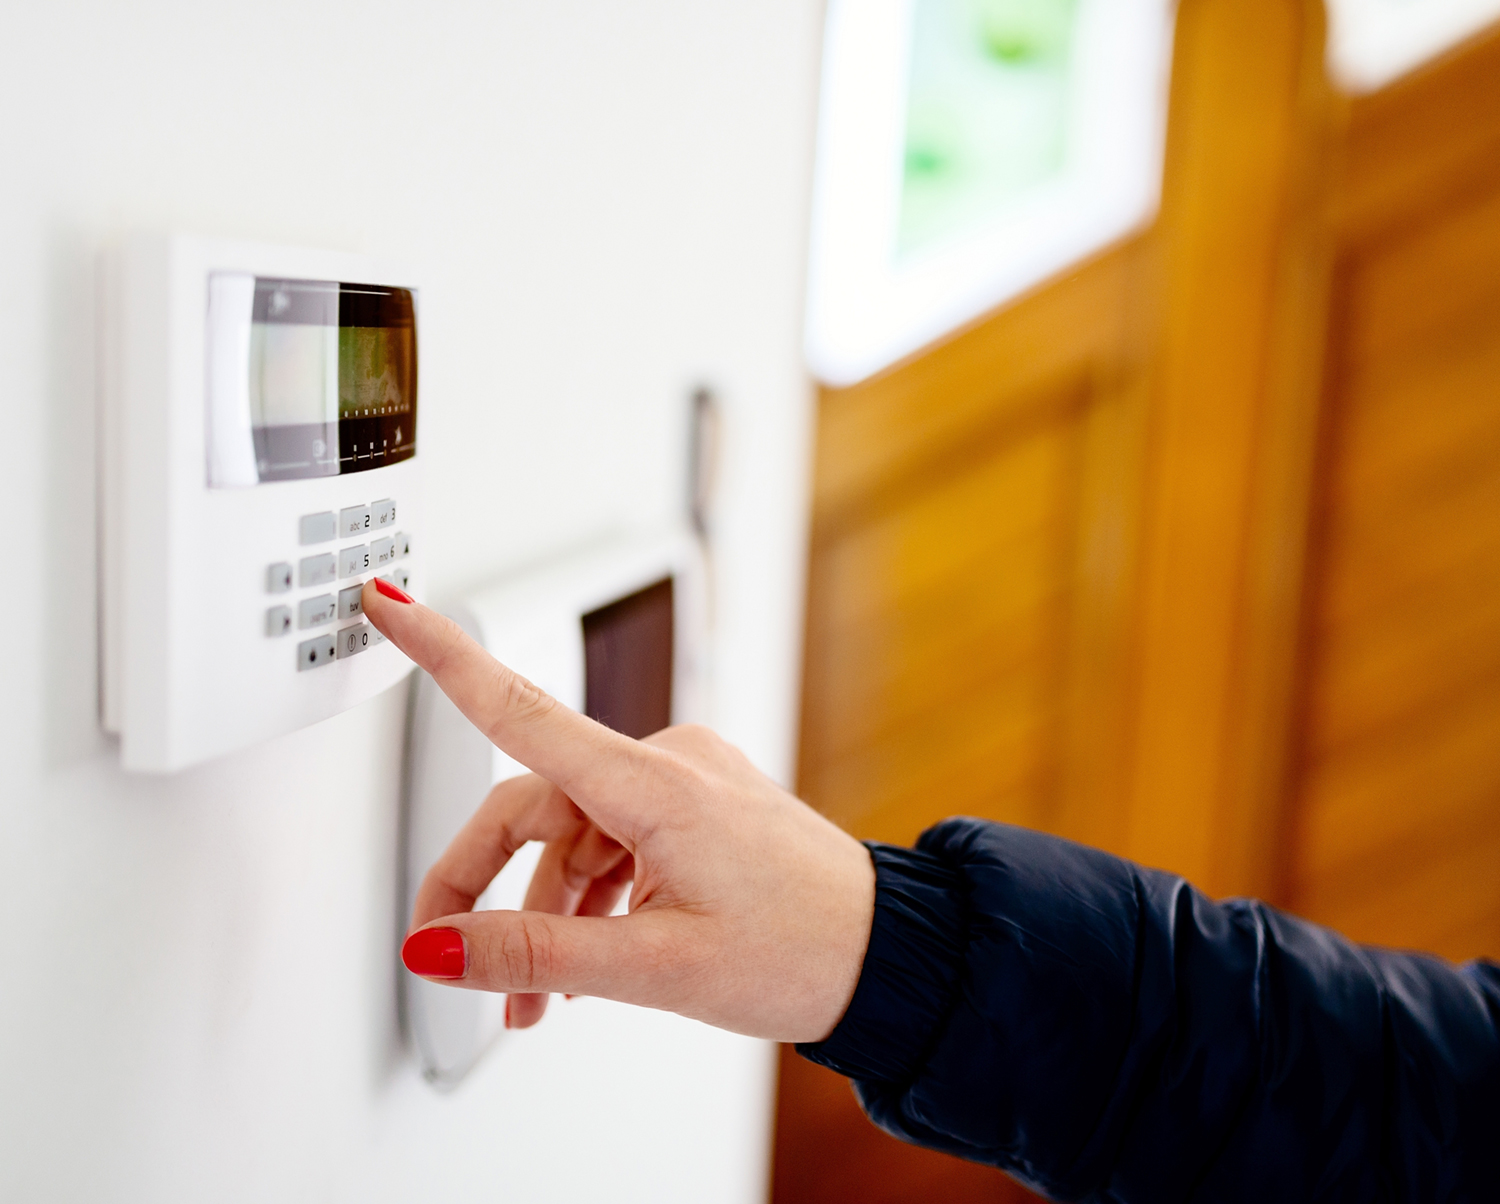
{"x": 694, "y": 743}
{"x": 692, "y": 735}
{"x": 507, "y": 840}
{"x": 522, "y": 953}
{"x": 576, "y": 877}
{"x": 519, "y": 698}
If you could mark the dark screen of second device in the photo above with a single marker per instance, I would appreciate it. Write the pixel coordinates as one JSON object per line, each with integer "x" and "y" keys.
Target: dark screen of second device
{"x": 627, "y": 656}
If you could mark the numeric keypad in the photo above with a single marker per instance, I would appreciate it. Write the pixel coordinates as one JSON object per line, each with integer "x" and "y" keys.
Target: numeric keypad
{"x": 320, "y": 569}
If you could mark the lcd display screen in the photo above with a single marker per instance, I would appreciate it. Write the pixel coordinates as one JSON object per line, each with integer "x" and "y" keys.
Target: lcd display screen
{"x": 308, "y": 378}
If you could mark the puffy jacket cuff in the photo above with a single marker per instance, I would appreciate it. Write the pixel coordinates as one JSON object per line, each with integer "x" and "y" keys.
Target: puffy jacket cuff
{"x": 910, "y": 976}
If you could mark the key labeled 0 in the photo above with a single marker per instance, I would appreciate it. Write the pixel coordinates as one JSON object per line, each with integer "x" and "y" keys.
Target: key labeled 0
{"x": 354, "y": 640}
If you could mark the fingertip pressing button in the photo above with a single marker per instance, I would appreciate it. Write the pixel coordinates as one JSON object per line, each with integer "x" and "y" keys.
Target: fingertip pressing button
{"x": 318, "y": 528}
{"x": 279, "y": 578}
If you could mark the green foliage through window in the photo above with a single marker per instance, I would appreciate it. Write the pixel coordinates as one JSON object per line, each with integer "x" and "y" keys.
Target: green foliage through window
{"x": 986, "y": 115}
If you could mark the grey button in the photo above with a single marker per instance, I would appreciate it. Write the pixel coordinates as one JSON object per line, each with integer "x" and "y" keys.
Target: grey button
{"x": 314, "y": 612}
{"x": 403, "y": 545}
{"x": 319, "y": 650}
{"x": 355, "y": 560}
{"x": 317, "y": 570}
{"x": 317, "y": 528}
{"x": 400, "y": 578}
{"x": 383, "y": 514}
{"x": 349, "y": 603}
{"x": 278, "y": 620}
{"x": 279, "y": 578}
{"x": 354, "y": 521}
{"x": 354, "y": 640}
{"x": 382, "y": 553}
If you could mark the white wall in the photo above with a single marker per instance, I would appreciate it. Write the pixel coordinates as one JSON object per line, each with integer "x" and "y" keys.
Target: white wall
{"x": 605, "y": 203}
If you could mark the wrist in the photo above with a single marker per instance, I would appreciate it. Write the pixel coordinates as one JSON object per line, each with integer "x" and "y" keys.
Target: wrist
{"x": 909, "y": 969}
{"x": 856, "y": 917}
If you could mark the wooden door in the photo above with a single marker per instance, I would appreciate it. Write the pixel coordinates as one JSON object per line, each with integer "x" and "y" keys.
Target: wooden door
{"x": 1395, "y": 815}
{"x": 1194, "y": 553}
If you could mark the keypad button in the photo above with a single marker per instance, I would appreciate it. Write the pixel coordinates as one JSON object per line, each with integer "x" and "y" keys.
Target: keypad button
{"x": 317, "y": 528}
{"x": 314, "y": 612}
{"x": 382, "y": 553}
{"x": 278, "y": 620}
{"x": 318, "y": 651}
{"x": 354, "y": 640}
{"x": 279, "y": 578}
{"x": 383, "y": 514}
{"x": 349, "y": 602}
{"x": 354, "y": 521}
{"x": 317, "y": 570}
{"x": 355, "y": 560}
{"x": 403, "y": 545}
{"x": 399, "y": 577}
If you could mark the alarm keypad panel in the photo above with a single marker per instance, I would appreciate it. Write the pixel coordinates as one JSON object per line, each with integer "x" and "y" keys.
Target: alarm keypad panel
{"x": 258, "y": 415}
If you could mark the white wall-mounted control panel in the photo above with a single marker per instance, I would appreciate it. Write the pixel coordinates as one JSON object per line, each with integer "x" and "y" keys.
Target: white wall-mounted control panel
{"x": 258, "y": 463}
{"x": 619, "y": 632}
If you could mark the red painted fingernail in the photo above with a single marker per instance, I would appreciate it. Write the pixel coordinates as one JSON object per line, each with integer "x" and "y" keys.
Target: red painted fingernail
{"x": 507, "y": 1011}
{"x": 390, "y": 591}
{"x": 435, "y": 953}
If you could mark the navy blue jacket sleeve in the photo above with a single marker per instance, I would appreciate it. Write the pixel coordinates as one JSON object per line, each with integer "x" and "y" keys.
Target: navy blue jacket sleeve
{"x": 1105, "y": 1032}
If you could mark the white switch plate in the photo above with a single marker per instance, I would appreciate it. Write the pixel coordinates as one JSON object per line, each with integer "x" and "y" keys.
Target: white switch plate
{"x": 532, "y": 622}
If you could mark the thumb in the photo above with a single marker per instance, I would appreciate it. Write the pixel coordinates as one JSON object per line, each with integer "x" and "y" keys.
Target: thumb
{"x": 523, "y": 952}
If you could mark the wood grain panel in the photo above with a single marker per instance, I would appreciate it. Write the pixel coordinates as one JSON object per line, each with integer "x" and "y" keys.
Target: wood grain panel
{"x": 933, "y": 689}
{"x": 1421, "y": 144}
{"x": 910, "y": 419}
{"x": 1399, "y": 800}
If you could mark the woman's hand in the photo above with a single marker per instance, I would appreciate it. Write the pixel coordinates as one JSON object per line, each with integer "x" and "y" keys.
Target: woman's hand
{"x": 748, "y": 910}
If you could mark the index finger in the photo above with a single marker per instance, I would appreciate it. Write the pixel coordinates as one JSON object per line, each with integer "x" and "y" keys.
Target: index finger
{"x": 595, "y": 766}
